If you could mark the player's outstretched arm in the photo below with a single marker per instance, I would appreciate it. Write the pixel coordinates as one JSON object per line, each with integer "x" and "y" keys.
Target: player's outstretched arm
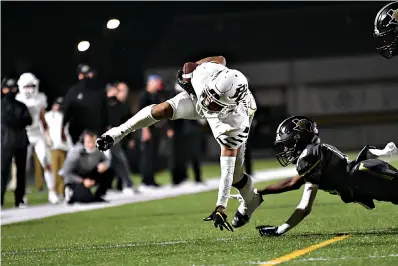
{"x": 285, "y": 185}
{"x": 144, "y": 118}
{"x": 303, "y": 209}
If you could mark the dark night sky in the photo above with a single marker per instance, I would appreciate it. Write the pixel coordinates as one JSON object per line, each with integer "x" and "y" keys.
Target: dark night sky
{"x": 42, "y": 36}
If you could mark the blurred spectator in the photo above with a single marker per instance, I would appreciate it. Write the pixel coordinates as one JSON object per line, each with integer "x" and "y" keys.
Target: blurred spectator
{"x": 122, "y": 92}
{"x": 85, "y": 105}
{"x": 15, "y": 117}
{"x": 38, "y": 133}
{"x": 184, "y": 133}
{"x": 195, "y": 137}
{"x": 119, "y": 113}
{"x": 59, "y": 147}
{"x": 84, "y": 168}
{"x": 150, "y": 136}
{"x": 129, "y": 144}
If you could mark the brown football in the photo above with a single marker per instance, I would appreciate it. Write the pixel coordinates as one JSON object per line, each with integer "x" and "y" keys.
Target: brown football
{"x": 189, "y": 67}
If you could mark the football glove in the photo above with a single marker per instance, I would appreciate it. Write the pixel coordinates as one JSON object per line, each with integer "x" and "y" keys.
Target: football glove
{"x": 186, "y": 85}
{"x": 268, "y": 230}
{"x": 220, "y": 219}
{"x": 104, "y": 142}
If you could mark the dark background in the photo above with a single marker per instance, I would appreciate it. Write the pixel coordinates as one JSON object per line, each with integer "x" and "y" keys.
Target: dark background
{"x": 42, "y": 36}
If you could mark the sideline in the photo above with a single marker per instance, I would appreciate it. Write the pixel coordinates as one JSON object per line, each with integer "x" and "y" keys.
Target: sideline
{"x": 9, "y": 216}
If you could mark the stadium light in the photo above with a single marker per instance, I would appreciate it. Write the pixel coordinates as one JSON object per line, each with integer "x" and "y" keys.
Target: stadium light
{"x": 83, "y": 46}
{"x": 113, "y": 24}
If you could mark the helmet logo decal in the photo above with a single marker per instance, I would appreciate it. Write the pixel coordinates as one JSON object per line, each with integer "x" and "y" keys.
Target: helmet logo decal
{"x": 240, "y": 93}
{"x": 302, "y": 125}
{"x": 393, "y": 14}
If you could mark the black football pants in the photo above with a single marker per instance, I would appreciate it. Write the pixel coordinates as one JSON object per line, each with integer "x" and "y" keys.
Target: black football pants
{"x": 19, "y": 154}
{"x": 376, "y": 179}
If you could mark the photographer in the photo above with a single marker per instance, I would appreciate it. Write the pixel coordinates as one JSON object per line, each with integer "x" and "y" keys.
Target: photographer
{"x": 15, "y": 117}
{"x": 85, "y": 167}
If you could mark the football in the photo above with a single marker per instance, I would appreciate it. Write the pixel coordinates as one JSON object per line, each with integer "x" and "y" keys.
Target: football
{"x": 189, "y": 67}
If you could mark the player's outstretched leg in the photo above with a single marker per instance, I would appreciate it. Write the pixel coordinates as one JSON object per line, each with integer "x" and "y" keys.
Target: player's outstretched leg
{"x": 250, "y": 200}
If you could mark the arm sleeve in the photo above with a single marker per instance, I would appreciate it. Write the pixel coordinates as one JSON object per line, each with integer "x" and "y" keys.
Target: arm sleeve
{"x": 70, "y": 164}
{"x": 227, "y": 165}
{"x": 302, "y": 210}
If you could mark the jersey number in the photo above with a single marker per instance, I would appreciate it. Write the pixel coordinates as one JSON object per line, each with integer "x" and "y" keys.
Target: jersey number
{"x": 240, "y": 93}
{"x": 336, "y": 151}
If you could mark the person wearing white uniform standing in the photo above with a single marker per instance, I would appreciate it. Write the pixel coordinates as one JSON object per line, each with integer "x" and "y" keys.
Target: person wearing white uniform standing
{"x": 37, "y": 132}
{"x": 59, "y": 147}
{"x": 221, "y": 96}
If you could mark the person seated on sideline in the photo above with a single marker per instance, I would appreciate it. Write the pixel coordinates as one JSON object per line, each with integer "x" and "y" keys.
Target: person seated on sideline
{"x": 84, "y": 168}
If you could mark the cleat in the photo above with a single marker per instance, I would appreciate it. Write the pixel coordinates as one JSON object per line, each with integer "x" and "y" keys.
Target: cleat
{"x": 53, "y": 198}
{"x": 245, "y": 210}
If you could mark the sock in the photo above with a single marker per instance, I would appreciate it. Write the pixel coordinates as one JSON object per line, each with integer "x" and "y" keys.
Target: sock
{"x": 48, "y": 177}
{"x": 247, "y": 191}
{"x": 388, "y": 150}
{"x": 140, "y": 120}
{"x": 245, "y": 187}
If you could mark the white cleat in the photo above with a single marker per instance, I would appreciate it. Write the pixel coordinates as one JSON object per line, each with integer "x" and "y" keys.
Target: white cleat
{"x": 53, "y": 198}
{"x": 390, "y": 149}
{"x": 245, "y": 210}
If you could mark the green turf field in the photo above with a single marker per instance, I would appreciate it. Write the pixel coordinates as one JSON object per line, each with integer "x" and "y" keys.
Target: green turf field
{"x": 171, "y": 232}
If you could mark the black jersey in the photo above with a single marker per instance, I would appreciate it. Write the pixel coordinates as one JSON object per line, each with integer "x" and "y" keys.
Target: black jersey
{"x": 325, "y": 166}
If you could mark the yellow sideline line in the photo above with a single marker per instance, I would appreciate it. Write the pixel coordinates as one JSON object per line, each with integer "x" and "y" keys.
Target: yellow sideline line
{"x": 303, "y": 251}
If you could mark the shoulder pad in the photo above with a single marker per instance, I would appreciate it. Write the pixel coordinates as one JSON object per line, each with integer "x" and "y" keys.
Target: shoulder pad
{"x": 233, "y": 140}
{"x": 309, "y": 161}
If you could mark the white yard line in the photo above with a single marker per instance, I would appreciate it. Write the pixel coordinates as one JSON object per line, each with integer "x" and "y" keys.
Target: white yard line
{"x": 9, "y": 216}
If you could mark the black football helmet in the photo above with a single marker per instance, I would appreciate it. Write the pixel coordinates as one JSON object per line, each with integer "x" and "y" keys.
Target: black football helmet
{"x": 385, "y": 30}
{"x": 292, "y": 137}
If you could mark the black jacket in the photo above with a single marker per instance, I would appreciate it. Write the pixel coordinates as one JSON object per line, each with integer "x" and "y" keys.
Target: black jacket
{"x": 86, "y": 107}
{"x": 15, "y": 117}
{"x": 118, "y": 113}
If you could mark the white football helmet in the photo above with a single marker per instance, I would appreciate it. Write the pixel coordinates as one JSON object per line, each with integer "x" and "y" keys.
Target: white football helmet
{"x": 28, "y": 85}
{"x": 224, "y": 92}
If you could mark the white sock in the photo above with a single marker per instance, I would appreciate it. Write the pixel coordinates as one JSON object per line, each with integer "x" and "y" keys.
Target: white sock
{"x": 49, "y": 178}
{"x": 388, "y": 150}
{"x": 140, "y": 120}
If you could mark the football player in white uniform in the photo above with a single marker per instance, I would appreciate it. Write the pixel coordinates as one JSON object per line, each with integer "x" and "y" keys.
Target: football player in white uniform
{"x": 37, "y": 132}
{"x": 221, "y": 96}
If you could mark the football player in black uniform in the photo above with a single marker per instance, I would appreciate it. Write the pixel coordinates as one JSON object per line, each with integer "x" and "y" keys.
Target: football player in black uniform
{"x": 322, "y": 166}
{"x": 385, "y": 30}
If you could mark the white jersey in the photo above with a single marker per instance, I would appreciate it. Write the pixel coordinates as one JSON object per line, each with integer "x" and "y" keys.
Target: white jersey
{"x": 35, "y": 105}
{"x": 231, "y": 130}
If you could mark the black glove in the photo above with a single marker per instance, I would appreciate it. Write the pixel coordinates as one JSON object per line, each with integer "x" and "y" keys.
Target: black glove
{"x": 268, "y": 230}
{"x": 104, "y": 142}
{"x": 220, "y": 219}
{"x": 186, "y": 85}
